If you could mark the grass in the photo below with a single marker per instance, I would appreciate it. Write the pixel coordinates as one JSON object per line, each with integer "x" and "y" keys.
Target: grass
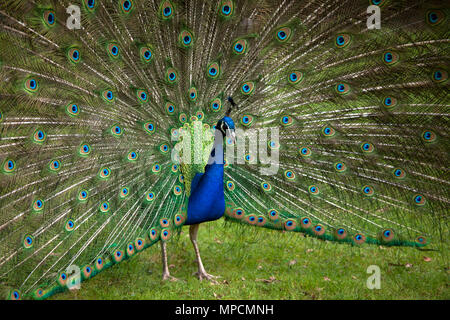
{"x": 257, "y": 263}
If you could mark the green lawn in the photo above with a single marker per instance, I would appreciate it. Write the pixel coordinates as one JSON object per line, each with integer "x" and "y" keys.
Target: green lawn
{"x": 257, "y": 263}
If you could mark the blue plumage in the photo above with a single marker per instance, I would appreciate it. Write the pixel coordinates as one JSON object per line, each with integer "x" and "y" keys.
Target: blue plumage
{"x": 207, "y": 201}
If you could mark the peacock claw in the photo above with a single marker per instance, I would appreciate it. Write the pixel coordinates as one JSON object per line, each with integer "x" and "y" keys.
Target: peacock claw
{"x": 169, "y": 277}
{"x": 203, "y": 275}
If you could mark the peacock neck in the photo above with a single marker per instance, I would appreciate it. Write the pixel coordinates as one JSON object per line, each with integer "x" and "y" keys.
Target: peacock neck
{"x": 207, "y": 199}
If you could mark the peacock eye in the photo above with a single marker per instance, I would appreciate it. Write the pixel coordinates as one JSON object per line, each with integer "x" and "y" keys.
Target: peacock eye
{"x": 126, "y": 5}
{"x": 388, "y": 57}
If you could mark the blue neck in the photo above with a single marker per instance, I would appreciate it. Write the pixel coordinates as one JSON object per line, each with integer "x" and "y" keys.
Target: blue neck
{"x": 207, "y": 200}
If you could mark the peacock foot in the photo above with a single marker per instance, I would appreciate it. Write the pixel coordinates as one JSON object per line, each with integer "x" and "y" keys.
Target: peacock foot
{"x": 201, "y": 275}
{"x": 168, "y": 277}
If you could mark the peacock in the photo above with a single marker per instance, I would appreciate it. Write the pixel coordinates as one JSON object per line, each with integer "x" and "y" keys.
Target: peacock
{"x": 123, "y": 120}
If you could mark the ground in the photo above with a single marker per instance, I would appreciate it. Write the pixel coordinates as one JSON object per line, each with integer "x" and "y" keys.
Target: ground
{"x": 256, "y": 263}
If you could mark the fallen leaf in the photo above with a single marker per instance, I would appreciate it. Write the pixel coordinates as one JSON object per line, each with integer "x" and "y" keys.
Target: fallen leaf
{"x": 354, "y": 277}
{"x": 243, "y": 279}
{"x": 427, "y": 259}
{"x": 171, "y": 266}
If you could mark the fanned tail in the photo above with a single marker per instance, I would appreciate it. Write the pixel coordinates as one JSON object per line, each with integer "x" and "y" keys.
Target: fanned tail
{"x": 363, "y": 126}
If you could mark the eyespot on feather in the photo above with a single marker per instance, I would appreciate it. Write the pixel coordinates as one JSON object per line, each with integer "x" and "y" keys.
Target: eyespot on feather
{"x": 290, "y": 224}
{"x": 319, "y": 230}
{"x": 342, "y": 40}
{"x": 340, "y": 233}
{"x": 359, "y": 239}
{"x": 213, "y": 70}
{"x": 126, "y": 6}
{"x": 31, "y": 85}
{"x": 166, "y": 10}
{"x": 186, "y": 39}
{"x": 387, "y": 235}
{"x": 240, "y": 47}
{"x": 247, "y": 88}
{"x": 149, "y": 127}
{"x": 49, "y": 18}
{"x": 305, "y": 223}
{"x": 226, "y": 8}
{"x": 74, "y": 55}
{"x": 139, "y": 244}
{"x": 113, "y": 50}
{"x": 153, "y": 234}
{"x": 273, "y": 214}
{"x": 295, "y": 77}
{"x": 90, "y": 5}
{"x": 171, "y": 76}
{"x": 283, "y": 34}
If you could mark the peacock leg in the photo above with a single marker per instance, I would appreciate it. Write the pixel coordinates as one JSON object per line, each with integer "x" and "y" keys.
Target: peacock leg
{"x": 166, "y": 272}
{"x": 201, "y": 273}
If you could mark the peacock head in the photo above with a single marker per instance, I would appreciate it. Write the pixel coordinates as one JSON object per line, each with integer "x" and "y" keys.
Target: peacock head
{"x": 226, "y": 126}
